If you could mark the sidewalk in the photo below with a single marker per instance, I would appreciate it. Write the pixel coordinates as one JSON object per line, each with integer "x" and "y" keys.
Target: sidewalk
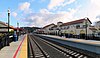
{"x": 13, "y": 51}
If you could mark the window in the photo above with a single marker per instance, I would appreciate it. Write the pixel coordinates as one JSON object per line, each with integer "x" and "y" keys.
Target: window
{"x": 99, "y": 33}
{"x": 67, "y": 27}
{"x": 64, "y": 27}
{"x": 50, "y": 28}
{"x": 84, "y": 26}
{"x": 77, "y": 26}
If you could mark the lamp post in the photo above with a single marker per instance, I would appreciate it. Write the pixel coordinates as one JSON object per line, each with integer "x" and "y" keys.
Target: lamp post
{"x": 17, "y": 30}
{"x": 74, "y": 31}
{"x": 86, "y": 27}
{"x": 8, "y": 26}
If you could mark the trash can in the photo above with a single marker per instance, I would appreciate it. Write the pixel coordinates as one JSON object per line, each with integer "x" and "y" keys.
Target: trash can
{"x": 15, "y": 36}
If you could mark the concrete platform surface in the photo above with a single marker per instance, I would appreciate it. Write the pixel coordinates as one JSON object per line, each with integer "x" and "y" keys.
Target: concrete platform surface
{"x": 10, "y": 51}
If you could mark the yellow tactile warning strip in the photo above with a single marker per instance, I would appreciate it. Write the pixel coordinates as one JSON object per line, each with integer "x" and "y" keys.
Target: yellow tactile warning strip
{"x": 23, "y": 52}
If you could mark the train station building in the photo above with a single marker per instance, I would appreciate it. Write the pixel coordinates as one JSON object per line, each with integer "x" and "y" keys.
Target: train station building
{"x": 77, "y": 27}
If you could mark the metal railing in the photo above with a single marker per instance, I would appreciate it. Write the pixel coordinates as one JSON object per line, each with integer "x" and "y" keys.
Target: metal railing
{"x": 4, "y": 40}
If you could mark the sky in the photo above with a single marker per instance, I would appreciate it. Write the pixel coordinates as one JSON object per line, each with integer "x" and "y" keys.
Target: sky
{"x": 38, "y": 13}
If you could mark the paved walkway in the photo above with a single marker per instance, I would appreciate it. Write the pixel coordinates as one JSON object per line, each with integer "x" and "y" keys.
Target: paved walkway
{"x": 15, "y": 48}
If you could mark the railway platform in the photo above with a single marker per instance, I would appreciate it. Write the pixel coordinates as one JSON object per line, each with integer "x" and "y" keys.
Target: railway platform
{"x": 16, "y": 49}
{"x": 88, "y": 47}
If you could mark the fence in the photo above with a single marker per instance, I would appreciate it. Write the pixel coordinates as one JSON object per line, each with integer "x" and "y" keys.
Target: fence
{"x": 4, "y": 40}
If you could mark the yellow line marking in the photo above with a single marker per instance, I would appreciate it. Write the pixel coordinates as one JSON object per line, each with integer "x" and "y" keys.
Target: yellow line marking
{"x": 23, "y": 52}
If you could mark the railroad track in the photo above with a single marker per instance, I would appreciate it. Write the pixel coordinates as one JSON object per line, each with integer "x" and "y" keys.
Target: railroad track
{"x": 69, "y": 53}
{"x": 35, "y": 50}
{"x": 49, "y": 49}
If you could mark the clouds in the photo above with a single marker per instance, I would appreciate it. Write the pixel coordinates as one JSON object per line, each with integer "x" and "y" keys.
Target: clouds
{"x": 14, "y": 14}
{"x": 24, "y": 6}
{"x": 68, "y": 15}
{"x": 96, "y": 2}
{"x": 56, "y": 3}
{"x": 45, "y": 15}
{"x": 90, "y": 9}
{"x": 22, "y": 10}
{"x": 45, "y": 11}
{"x": 40, "y": 19}
{"x": 58, "y": 10}
{"x": 94, "y": 10}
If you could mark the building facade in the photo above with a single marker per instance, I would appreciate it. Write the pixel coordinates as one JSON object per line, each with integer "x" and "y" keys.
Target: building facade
{"x": 77, "y": 27}
{"x": 4, "y": 27}
{"x": 97, "y": 26}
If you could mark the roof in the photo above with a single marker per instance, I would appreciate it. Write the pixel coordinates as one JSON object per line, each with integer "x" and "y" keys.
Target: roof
{"x": 59, "y": 22}
{"x": 48, "y": 25}
{"x": 54, "y": 26}
{"x": 3, "y": 23}
{"x": 76, "y": 21}
{"x": 17, "y": 28}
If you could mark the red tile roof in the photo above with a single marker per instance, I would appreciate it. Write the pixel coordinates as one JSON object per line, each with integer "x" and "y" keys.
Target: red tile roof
{"x": 18, "y": 29}
{"x": 69, "y": 23}
{"x": 3, "y": 23}
{"x": 48, "y": 25}
{"x": 76, "y": 21}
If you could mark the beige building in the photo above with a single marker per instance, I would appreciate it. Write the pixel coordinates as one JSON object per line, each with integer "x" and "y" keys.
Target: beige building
{"x": 97, "y": 26}
{"x": 76, "y": 27}
{"x": 2, "y": 25}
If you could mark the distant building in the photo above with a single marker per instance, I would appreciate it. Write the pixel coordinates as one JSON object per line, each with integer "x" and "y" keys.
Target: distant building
{"x": 4, "y": 27}
{"x": 46, "y": 29}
